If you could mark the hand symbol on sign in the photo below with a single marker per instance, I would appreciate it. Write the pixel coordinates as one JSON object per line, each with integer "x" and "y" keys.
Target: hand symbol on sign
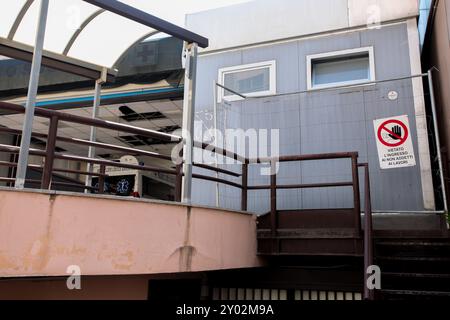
{"x": 397, "y": 133}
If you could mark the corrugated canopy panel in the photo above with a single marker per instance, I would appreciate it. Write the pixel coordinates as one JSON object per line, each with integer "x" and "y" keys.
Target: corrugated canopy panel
{"x": 77, "y": 29}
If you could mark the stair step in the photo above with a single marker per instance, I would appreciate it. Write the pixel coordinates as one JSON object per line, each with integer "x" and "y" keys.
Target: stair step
{"x": 414, "y": 268}
{"x": 413, "y": 249}
{"x": 415, "y": 281}
{"x": 419, "y": 259}
{"x": 397, "y": 264}
{"x": 414, "y": 294}
{"x": 431, "y": 259}
{"x": 414, "y": 243}
{"x": 310, "y": 233}
{"x": 417, "y": 275}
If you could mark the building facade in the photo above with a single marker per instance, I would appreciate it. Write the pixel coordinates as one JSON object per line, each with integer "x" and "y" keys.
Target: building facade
{"x": 318, "y": 74}
{"x": 306, "y": 68}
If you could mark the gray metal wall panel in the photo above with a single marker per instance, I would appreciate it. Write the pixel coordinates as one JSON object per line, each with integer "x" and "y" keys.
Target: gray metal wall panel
{"x": 392, "y": 48}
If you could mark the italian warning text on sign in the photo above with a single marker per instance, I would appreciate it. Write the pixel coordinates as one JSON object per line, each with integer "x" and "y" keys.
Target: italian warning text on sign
{"x": 394, "y": 143}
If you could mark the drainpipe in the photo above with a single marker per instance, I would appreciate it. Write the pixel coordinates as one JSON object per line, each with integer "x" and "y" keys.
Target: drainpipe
{"x": 188, "y": 118}
{"x": 93, "y": 135}
{"x": 436, "y": 134}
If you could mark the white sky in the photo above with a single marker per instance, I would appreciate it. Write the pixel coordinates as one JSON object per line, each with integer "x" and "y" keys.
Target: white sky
{"x": 175, "y": 10}
{"x": 65, "y": 16}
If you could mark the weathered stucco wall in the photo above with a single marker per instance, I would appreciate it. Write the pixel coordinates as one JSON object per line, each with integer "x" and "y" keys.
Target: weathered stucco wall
{"x": 41, "y": 234}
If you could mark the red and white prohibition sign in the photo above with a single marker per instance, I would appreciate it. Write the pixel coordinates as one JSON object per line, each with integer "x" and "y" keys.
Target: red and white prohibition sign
{"x": 394, "y": 142}
{"x": 393, "y": 133}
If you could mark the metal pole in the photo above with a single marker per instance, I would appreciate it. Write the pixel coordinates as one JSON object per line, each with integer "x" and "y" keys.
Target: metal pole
{"x": 244, "y": 192}
{"x": 93, "y": 136}
{"x": 356, "y": 194}
{"x": 273, "y": 205}
{"x": 215, "y": 139}
{"x": 188, "y": 118}
{"x": 31, "y": 98}
{"x": 436, "y": 134}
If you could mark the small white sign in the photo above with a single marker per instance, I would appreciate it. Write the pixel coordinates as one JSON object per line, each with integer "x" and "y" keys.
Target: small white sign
{"x": 394, "y": 142}
{"x": 393, "y": 95}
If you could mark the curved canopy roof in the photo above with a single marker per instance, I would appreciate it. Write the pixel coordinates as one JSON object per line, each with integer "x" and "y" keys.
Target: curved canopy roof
{"x": 89, "y": 33}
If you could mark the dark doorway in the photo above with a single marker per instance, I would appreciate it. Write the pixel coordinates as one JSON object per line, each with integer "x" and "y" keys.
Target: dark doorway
{"x": 174, "y": 290}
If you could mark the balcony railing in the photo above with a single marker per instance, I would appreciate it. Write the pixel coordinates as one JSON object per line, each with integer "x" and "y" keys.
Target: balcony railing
{"x": 50, "y": 154}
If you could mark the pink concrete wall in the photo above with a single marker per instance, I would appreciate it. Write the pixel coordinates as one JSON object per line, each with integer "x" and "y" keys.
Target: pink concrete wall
{"x": 43, "y": 234}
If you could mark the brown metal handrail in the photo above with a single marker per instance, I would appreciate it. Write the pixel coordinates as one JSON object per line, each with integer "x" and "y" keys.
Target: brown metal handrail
{"x": 329, "y": 156}
{"x": 52, "y": 137}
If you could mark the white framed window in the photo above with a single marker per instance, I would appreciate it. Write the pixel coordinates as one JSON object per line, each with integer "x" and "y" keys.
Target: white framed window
{"x": 252, "y": 80}
{"x": 338, "y": 68}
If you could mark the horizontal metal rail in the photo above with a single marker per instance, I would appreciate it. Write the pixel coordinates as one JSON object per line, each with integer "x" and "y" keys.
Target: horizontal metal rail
{"x": 304, "y": 186}
{"x": 220, "y": 170}
{"x": 36, "y": 166}
{"x": 308, "y": 157}
{"x": 209, "y": 178}
{"x": 65, "y": 184}
{"x": 101, "y": 145}
{"x": 220, "y": 151}
{"x": 37, "y": 152}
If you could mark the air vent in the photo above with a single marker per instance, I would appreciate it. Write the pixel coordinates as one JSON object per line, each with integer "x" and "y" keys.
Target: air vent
{"x": 169, "y": 129}
{"x": 130, "y": 115}
{"x": 138, "y": 140}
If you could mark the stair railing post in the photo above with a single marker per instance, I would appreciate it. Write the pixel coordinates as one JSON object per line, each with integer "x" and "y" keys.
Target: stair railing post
{"x": 178, "y": 182}
{"x": 273, "y": 204}
{"x": 356, "y": 194}
{"x": 369, "y": 294}
{"x": 101, "y": 179}
{"x": 244, "y": 192}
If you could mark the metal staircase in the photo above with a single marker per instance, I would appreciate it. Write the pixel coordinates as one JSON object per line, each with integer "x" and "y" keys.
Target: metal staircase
{"x": 414, "y": 269}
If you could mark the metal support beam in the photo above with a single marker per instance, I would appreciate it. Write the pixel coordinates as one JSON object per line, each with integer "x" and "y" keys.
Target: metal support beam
{"x": 53, "y": 60}
{"x": 31, "y": 98}
{"x": 148, "y": 20}
{"x": 437, "y": 139}
{"x": 188, "y": 118}
{"x": 93, "y": 135}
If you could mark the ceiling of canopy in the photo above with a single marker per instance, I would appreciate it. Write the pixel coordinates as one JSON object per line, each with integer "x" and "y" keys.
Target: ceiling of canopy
{"x": 77, "y": 29}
